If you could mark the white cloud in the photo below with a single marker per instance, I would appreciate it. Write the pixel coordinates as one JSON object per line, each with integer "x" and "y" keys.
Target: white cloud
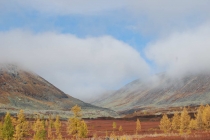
{"x": 92, "y": 64}
{"x": 65, "y": 7}
{"x": 163, "y": 17}
{"x": 159, "y": 8}
{"x": 182, "y": 52}
{"x": 148, "y": 17}
{"x": 76, "y": 65}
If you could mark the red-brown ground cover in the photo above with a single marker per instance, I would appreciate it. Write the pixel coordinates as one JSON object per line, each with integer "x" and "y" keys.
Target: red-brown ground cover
{"x": 100, "y": 127}
{"x": 150, "y": 131}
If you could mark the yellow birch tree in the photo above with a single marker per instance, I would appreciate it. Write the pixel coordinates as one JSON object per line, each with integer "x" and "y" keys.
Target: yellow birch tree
{"x": 83, "y": 131}
{"x": 138, "y": 126}
{"x": 206, "y": 117}
{"x": 175, "y": 124}
{"x": 39, "y": 129}
{"x": 58, "y": 127}
{"x": 184, "y": 121}
{"x": 165, "y": 124}
{"x": 50, "y": 126}
{"x": 49, "y": 132}
{"x": 8, "y": 128}
{"x": 76, "y": 126}
{"x": 114, "y": 125}
{"x": 22, "y": 126}
{"x": 199, "y": 117}
{"x": 120, "y": 128}
{"x": 193, "y": 124}
{"x": 1, "y": 129}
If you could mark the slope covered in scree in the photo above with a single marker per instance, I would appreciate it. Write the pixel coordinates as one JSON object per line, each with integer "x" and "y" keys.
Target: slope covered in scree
{"x": 158, "y": 92}
{"x": 26, "y": 90}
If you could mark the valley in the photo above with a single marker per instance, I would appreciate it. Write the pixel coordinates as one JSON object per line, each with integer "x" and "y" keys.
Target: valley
{"x": 112, "y": 116}
{"x": 160, "y": 92}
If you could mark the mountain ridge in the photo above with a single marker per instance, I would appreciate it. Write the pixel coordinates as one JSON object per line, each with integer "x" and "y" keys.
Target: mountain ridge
{"x": 21, "y": 89}
{"x": 161, "y": 91}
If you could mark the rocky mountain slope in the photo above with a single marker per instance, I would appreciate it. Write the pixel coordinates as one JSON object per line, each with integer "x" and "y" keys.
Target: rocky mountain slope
{"x": 159, "y": 92}
{"x": 20, "y": 89}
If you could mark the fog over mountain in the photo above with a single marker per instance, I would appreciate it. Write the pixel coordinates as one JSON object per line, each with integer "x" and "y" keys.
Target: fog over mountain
{"x": 161, "y": 91}
{"x": 88, "y": 47}
{"x": 77, "y": 66}
{"x": 21, "y": 89}
{"x": 182, "y": 52}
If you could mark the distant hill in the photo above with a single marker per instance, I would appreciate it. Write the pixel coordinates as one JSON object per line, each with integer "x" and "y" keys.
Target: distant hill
{"x": 100, "y": 97}
{"x": 20, "y": 89}
{"x": 159, "y": 92}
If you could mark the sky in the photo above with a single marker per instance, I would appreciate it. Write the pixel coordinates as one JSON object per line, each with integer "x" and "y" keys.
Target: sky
{"x": 86, "y": 48}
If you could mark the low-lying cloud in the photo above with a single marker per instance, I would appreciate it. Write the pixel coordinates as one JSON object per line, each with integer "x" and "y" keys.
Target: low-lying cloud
{"x": 80, "y": 67}
{"x": 85, "y": 66}
{"x": 183, "y": 52}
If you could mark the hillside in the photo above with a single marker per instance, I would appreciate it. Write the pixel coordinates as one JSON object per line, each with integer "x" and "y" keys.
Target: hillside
{"x": 20, "y": 89}
{"x": 100, "y": 97}
{"x": 159, "y": 92}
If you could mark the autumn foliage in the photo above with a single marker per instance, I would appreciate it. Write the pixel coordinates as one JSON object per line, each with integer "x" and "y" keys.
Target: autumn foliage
{"x": 7, "y": 128}
{"x": 183, "y": 123}
{"x": 22, "y": 126}
{"x": 165, "y": 124}
{"x": 76, "y": 126}
{"x": 42, "y": 129}
{"x": 138, "y": 126}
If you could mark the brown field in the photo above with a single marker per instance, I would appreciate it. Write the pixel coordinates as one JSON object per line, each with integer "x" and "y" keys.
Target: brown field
{"x": 150, "y": 131}
{"x": 100, "y": 127}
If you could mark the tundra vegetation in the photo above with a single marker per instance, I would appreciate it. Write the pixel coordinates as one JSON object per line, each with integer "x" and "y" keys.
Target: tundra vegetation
{"x": 52, "y": 128}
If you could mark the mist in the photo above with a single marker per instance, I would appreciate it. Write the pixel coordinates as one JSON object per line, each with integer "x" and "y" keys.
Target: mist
{"x": 182, "y": 53}
{"x": 131, "y": 40}
{"x": 81, "y": 67}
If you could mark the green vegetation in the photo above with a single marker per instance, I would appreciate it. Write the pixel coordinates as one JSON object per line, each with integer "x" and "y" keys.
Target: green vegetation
{"x": 8, "y": 128}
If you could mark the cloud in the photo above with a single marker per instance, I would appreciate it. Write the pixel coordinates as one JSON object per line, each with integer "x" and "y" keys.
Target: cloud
{"x": 163, "y": 17}
{"x": 80, "y": 67}
{"x": 159, "y": 8}
{"x": 182, "y": 53}
{"x": 90, "y": 65}
{"x": 65, "y": 7}
{"x": 148, "y": 17}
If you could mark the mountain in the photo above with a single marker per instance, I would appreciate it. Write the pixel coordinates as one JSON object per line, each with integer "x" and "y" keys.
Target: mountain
{"x": 20, "y": 89}
{"x": 160, "y": 91}
{"x": 100, "y": 97}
